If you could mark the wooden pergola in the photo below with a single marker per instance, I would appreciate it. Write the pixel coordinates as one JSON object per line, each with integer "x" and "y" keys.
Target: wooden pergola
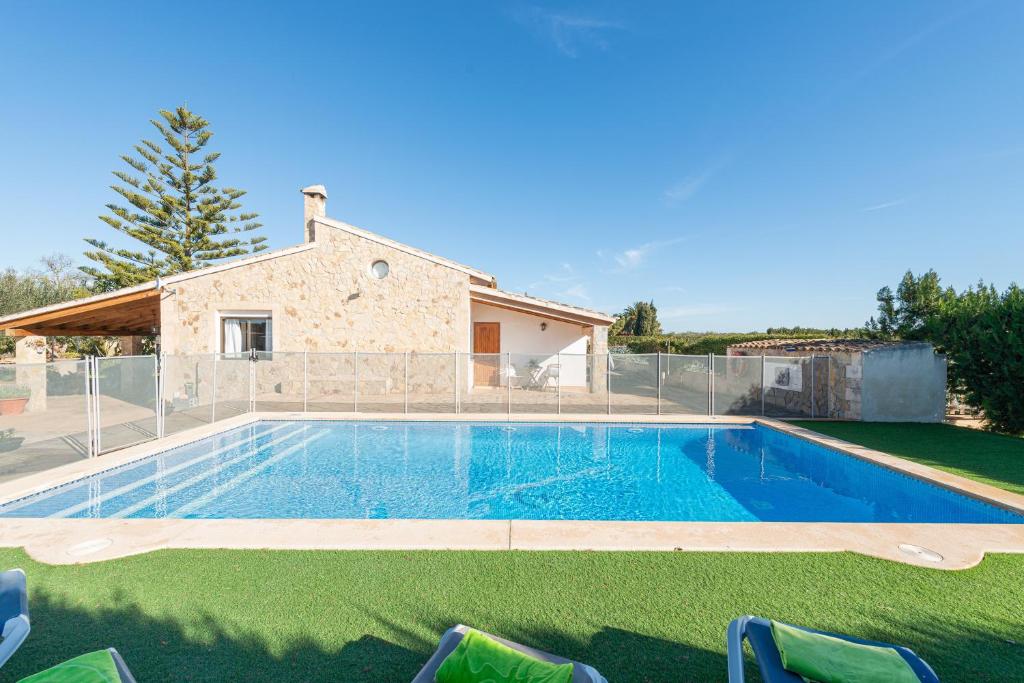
{"x": 127, "y": 314}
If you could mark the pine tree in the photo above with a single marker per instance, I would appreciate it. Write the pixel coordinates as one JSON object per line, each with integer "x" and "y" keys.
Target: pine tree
{"x": 173, "y": 208}
{"x": 904, "y": 315}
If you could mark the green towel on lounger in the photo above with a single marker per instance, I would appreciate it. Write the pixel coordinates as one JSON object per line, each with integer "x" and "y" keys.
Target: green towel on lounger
{"x": 94, "y": 667}
{"x": 478, "y": 659}
{"x": 826, "y": 659}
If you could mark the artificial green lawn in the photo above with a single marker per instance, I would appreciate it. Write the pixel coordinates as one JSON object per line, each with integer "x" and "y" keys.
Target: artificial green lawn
{"x": 376, "y": 616}
{"x": 989, "y": 458}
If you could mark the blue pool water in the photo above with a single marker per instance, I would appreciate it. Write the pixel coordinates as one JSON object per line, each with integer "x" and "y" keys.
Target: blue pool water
{"x": 456, "y": 470}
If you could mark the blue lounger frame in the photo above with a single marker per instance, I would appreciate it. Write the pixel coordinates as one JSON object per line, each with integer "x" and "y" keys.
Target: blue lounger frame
{"x": 758, "y": 632}
{"x": 14, "y": 622}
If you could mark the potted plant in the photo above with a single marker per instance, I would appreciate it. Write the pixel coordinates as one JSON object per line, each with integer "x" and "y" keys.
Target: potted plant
{"x": 13, "y": 398}
{"x": 9, "y": 442}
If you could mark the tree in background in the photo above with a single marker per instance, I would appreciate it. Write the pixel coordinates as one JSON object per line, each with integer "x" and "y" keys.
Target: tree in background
{"x": 646, "y": 320}
{"x": 638, "y": 320}
{"x": 57, "y": 281}
{"x": 982, "y": 334}
{"x": 173, "y": 208}
{"x": 904, "y": 315}
{"x": 625, "y": 318}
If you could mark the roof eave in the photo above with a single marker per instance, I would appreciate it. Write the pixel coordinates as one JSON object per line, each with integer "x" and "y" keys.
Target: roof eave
{"x": 533, "y": 305}
{"x": 7, "y": 321}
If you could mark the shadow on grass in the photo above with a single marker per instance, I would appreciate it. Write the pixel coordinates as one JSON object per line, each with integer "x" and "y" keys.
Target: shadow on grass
{"x": 160, "y": 649}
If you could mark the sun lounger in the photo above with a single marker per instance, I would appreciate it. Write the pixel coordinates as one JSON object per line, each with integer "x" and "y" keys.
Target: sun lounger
{"x": 15, "y": 622}
{"x": 582, "y": 673}
{"x": 758, "y": 632}
{"x": 122, "y": 668}
{"x": 94, "y": 667}
{"x": 13, "y": 613}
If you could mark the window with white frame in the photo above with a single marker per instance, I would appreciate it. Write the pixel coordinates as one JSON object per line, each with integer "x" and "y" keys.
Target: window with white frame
{"x": 245, "y": 333}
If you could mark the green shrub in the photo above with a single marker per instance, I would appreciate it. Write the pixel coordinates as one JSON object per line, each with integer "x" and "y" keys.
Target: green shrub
{"x": 14, "y": 391}
{"x": 982, "y": 334}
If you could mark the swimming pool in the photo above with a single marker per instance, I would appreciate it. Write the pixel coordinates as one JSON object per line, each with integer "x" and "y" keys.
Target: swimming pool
{"x": 520, "y": 471}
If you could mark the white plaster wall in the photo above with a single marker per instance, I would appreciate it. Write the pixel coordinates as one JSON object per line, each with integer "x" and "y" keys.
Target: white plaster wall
{"x": 522, "y": 337}
{"x": 905, "y": 383}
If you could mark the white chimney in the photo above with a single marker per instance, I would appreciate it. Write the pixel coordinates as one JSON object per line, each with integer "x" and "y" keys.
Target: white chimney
{"x": 314, "y": 204}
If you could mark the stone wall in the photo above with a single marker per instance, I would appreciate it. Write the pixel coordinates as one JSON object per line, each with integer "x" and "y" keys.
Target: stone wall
{"x": 324, "y": 299}
{"x": 598, "y": 343}
{"x": 837, "y": 381}
{"x": 846, "y": 385}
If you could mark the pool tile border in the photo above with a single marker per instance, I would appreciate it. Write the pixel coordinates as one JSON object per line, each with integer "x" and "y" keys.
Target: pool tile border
{"x": 68, "y": 541}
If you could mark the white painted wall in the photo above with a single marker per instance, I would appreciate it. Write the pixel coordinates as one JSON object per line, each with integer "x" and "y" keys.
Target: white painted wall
{"x": 522, "y": 337}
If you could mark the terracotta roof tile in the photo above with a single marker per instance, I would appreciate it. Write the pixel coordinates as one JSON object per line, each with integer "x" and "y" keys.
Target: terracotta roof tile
{"x": 825, "y": 345}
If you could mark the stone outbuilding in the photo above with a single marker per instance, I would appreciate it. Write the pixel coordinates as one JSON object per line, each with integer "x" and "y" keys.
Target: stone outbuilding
{"x": 865, "y": 379}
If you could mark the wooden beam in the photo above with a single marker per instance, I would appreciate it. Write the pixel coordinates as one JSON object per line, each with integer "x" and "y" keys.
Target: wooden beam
{"x": 73, "y": 310}
{"x": 83, "y": 332}
{"x": 135, "y": 321}
{"x": 146, "y": 310}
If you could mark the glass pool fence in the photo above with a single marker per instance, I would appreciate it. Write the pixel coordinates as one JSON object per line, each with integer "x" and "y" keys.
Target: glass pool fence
{"x": 53, "y": 413}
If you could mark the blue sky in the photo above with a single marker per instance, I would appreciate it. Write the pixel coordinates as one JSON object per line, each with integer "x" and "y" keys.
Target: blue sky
{"x": 741, "y": 164}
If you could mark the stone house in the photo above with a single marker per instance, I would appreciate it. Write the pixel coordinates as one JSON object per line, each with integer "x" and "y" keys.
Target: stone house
{"x": 856, "y": 379}
{"x": 344, "y": 289}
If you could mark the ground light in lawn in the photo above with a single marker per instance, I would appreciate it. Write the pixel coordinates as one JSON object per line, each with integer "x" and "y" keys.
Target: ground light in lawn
{"x": 919, "y": 552}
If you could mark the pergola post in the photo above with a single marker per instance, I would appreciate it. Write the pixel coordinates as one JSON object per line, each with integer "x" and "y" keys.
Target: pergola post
{"x": 598, "y": 338}
{"x": 30, "y": 359}
{"x": 131, "y": 345}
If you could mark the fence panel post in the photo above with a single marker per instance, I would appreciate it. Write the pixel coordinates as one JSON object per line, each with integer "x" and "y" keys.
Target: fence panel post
{"x": 828, "y": 389}
{"x": 96, "y": 399}
{"x": 407, "y": 382}
{"x": 213, "y": 398}
{"x": 458, "y": 389}
{"x": 762, "y": 384}
{"x": 558, "y": 358}
{"x": 608, "y": 380}
{"x": 305, "y": 381}
{"x": 252, "y": 382}
{"x": 813, "y": 380}
{"x": 355, "y": 388}
{"x": 158, "y": 379}
{"x": 90, "y": 419}
{"x": 711, "y": 384}
{"x": 508, "y": 379}
{"x": 659, "y": 382}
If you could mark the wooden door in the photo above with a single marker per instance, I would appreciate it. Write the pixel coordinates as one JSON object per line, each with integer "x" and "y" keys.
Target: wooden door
{"x": 486, "y": 339}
